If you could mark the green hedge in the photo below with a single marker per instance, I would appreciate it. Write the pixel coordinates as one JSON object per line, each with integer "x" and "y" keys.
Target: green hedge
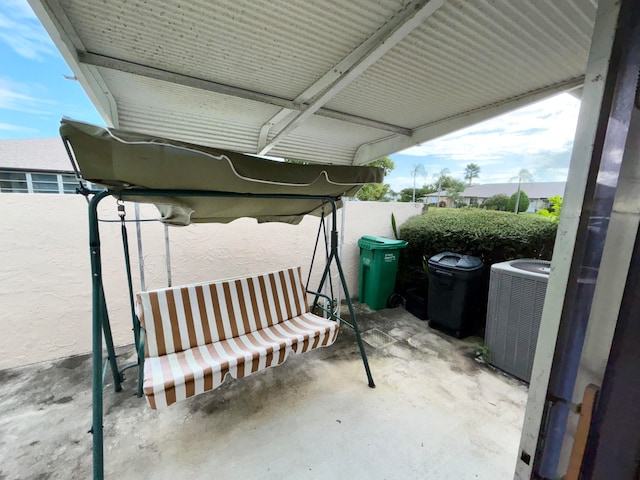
{"x": 491, "y": 235}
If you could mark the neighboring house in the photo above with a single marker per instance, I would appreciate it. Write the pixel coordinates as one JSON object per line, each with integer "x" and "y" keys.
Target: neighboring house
{"x": 538, "y": 192}
{"x": 35, "y": 165}
{"x": 440, "y": 199}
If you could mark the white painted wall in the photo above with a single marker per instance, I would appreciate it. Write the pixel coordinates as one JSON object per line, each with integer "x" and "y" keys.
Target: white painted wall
{"x": 45, "y": 282}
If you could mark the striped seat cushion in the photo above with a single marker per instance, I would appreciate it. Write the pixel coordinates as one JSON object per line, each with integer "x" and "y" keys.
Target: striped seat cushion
{"x": 179, "y": 318}
{"x": 177, "y": 376}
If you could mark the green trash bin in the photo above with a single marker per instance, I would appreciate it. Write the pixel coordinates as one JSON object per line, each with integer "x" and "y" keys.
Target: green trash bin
{"x": 378, "y": 267}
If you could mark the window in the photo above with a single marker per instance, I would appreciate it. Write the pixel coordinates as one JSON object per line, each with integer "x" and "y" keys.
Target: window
{"x": 37, "y": 182}
{"x": 13, "y": 182}
{"x": 69, "y": 183}
{"x": 45, "y": 183}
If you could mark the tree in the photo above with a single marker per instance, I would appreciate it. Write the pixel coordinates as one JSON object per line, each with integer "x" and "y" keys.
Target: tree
{"x": 523, "y": 176}
{"x": 454, "y": 192}
{"x": 499, "y": 201}
{"x": 519, "y": 201}
{"x": 407, "y": 194}
{"x": 417, "y": 169}
{"x": 376, "y": 192}
{"x": 385, "y": 163}
{"x": 554, "y": 210}
{"x": 471, "y": 171}
{"x": 439, "y": 177}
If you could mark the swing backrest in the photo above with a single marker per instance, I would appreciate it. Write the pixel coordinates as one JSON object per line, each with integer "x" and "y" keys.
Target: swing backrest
{"x": 183, "y": 317}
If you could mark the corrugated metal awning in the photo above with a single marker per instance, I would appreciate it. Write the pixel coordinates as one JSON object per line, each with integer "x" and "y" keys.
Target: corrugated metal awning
{"x": 342, "y": 81}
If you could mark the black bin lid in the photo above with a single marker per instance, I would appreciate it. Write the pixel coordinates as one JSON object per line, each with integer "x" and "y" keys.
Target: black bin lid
{"x": 456, "y": 261}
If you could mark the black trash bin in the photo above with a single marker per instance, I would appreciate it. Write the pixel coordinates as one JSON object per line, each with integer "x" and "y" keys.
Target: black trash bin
{"x": 456, "y": 292}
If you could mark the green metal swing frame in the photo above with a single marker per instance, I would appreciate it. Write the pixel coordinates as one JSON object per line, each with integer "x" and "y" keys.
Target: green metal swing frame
{"x": 100, "y": 318}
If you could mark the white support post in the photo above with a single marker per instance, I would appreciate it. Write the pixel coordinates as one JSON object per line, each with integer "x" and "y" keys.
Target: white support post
{"x": 581, "y": 171}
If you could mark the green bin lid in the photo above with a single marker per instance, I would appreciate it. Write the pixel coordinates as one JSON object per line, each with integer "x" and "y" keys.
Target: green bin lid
{"x": 380, "y": 243}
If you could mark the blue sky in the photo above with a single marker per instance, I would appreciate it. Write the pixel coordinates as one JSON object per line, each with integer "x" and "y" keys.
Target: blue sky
{"x": 34, "y": 95}
{"x": 538, "y": 137}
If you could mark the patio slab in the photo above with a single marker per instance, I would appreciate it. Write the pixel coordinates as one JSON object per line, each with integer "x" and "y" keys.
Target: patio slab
{"x": 436, "y": 413}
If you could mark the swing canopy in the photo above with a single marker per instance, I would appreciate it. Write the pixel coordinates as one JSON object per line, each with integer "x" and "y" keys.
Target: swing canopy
{"x": 122, "y": 160}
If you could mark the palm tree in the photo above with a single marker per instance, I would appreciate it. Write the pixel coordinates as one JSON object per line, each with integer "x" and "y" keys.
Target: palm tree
{"x": 471, "y": 171}
{"x": 439, "y": 177}
{"x": 417, "y": 169}
{"x": 524, "y": 175}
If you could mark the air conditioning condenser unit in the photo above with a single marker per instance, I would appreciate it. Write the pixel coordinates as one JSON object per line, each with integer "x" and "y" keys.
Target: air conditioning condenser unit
{"x": 516, "y": 297}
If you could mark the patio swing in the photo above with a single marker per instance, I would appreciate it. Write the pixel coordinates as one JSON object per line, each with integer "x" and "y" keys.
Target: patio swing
{"x": 189, "y": 338}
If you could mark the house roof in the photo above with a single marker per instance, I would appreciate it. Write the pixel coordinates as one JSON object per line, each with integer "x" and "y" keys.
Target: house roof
{"x": 533, "y": 190}
{"x": 342, "y": 82}
{"x": 442, "y": 194}
{"x": 34, "y": 154}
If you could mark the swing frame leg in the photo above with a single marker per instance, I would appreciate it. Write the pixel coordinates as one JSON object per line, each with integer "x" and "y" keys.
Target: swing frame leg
{"x": 108, "y": 340}
{"x": 333, "y": 256}
{"x": 100, "y": 324}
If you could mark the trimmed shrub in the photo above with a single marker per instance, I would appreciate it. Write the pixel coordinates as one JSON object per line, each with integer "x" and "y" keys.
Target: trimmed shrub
{"x": 493, "y": 236}
{"x": 522, "y": 206}
{"x": 496, "y": 202}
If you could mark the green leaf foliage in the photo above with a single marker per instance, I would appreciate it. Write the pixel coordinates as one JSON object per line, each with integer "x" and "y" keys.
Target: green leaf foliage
{"x": 523, "y": 205}
{"x": 374, "y": 192}
{"x": 490, "y": 235}
{"x": 496, "y": 202}
{"x": 554, "y": 210}
{"x": 406, "y": 194}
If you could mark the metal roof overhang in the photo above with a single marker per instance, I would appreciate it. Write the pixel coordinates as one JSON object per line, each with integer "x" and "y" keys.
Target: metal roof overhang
{"x": 341, "y": 82}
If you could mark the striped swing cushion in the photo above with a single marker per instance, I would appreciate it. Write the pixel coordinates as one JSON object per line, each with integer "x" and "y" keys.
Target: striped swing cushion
{"x": 197, "y": 334}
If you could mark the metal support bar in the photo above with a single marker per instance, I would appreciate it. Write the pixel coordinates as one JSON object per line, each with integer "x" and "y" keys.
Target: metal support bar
{"x": 108, "y": 340}
{"x": 97, "y": 325}
{"x": 127, "y": 264}
{"x": 167, "y": 254}
{"x": 140, "y": 351}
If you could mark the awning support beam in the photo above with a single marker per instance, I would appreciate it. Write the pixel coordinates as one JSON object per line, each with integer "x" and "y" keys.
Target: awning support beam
{"x": 103, "y": 61}
{"x": 359, "y": 60}
{"x": 366, "y": 50}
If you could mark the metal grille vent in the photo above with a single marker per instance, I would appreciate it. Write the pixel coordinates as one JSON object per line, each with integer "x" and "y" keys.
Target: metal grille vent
{"x": 516, "y": 297}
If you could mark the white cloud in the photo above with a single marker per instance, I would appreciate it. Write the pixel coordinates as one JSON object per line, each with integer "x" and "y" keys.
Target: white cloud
{"x": 5, "y": 127}
{"x": 537, "y": 137}
{"x": 18, "y": 96}
{"x": 544, "y": 127}
{"x": 22, "y": 32}
{"x": 398, "y": 183}
{"x": 20, "y": 8}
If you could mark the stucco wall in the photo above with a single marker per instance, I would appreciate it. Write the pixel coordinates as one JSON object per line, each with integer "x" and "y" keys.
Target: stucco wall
{"x": 45, "y": 288}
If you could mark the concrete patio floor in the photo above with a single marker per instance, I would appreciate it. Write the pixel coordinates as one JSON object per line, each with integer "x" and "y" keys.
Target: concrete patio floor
{"x": 436, "y": 414}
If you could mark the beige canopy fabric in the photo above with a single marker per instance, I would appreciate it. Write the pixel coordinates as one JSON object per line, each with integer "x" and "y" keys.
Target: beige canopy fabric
{"x": 122, "y": 160}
